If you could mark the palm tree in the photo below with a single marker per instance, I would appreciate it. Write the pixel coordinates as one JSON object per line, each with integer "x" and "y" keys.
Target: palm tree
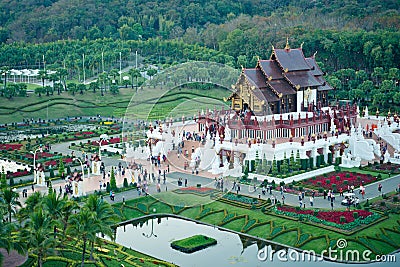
{"x": 104, "y": 214}
{"x": 72, "y": 88}
{"x": 31, "y": 203}
{"x": 38, "y": 236}
{"x": 5, "y": 241}
{"x": 53, "y": 204}
{"x": 10, "y": 239}
{"x": 135, "y": 73}
{"x": 102, "y": 80}
{"x": 62, "y": 74}
{"x": 94, "y": 86}
{"x": 43, "y": 76}
{"x": 54, "y": 78}
{"x": 10, "y": 199}
{"x": 68, "y": 208}
{"x": 83, "y": 225}
{"x": 81, "y": 87}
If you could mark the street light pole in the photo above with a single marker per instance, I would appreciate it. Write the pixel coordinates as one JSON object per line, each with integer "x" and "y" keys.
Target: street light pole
{"x": 34, "y": 162}
{"x": 103, "y": 137}
{"x": 83, "y": 171}
{"x": 152, "y": 228}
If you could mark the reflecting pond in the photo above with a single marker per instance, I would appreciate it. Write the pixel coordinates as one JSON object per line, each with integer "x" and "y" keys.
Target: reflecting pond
{"x": 154, "y": 235}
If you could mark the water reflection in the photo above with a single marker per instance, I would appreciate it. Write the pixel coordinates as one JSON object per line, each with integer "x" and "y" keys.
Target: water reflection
{"x": 231, "y": 250}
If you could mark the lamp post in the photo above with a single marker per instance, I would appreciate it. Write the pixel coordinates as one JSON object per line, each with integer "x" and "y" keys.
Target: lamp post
{"x": 152, "y": 228}
{"x": 149, "y": 142}
{"x": 103, "y": 137}
{"x": 83, "y": 171}
{"x": 34, "y": 162}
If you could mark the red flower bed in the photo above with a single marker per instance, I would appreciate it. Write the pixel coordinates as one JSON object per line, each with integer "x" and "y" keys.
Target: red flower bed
{"x": 330, "y": 216}
{"x": 17, "y": 174}
{"x": 10, "y": 146}
{"x": 114, "y": 140}
{"x": 39, "y": 155}
{"x": 55, "y": 162}
{"x": 321, "y": 181}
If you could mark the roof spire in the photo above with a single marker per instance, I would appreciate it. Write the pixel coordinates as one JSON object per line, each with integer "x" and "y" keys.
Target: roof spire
{"x": 315, "y": 54}
{"x": 301, "y": 46}
{"x": 287, "y": 47}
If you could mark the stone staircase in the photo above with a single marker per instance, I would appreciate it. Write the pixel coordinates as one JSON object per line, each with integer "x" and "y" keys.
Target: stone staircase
{"x": 382, "y": 142}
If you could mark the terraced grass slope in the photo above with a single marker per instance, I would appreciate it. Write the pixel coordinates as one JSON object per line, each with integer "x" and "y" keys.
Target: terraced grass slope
{"x": 147, "y": 103}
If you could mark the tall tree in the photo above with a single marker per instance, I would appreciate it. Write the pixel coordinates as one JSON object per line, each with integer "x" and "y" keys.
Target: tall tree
{"x": 43, "y": 76}
{"x": 10, "y": 200}
{"x": 84, "y": 226}
{"x": 113, "y": 182}
{"x": 135, "y": 73}
{"x": 38, "y": 235}
{"x": 104, "y": 214}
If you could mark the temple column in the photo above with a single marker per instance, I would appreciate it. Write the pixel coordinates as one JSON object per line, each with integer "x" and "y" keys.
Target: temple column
{"x": 326, "y": 152}
{"x": 314, "y": 154}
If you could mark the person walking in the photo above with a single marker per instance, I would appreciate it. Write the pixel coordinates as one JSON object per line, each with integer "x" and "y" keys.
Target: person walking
{"x": 311, "y": 201}
{"x": 380, "y": 188}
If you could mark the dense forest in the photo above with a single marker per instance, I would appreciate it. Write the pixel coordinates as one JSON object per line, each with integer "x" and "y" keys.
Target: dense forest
{"x": 207, "y": 22}
{"x": 357, "y": 40}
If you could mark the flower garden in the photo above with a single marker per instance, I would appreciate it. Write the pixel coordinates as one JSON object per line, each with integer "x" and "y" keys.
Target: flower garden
{"x": 385, "y": 167}
{"x": 339, "y": 180}
{"x": 344, "y": 220}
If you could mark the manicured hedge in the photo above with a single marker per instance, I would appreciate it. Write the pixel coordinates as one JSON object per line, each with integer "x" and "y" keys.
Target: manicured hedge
{"x": 193, "y": 243}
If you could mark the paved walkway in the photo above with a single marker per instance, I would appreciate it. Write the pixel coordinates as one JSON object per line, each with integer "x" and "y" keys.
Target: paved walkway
{"x": 206, "y": 179}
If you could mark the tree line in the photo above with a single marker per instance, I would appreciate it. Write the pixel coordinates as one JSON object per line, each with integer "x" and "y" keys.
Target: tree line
{"x": 51, "y": 20}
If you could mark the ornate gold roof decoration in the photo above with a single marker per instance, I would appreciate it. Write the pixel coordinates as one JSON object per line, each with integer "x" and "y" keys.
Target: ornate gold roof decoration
{"x": 270, "y": 78}
{"x": 280, "y": 95}
{"x": 298, "y": 87}
{"x": 287, "y": 47}
{"x": 286, "y": 70}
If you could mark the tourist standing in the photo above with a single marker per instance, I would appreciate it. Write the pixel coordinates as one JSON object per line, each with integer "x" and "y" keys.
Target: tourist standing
{"x": 311, "y": 201}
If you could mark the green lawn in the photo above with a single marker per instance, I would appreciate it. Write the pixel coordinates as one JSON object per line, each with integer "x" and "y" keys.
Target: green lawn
{"x": 381, "y": 237}
{"x": 152, "y": 103}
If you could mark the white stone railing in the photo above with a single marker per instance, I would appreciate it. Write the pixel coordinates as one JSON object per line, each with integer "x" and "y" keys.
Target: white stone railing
{"x": 297, "y": 177}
